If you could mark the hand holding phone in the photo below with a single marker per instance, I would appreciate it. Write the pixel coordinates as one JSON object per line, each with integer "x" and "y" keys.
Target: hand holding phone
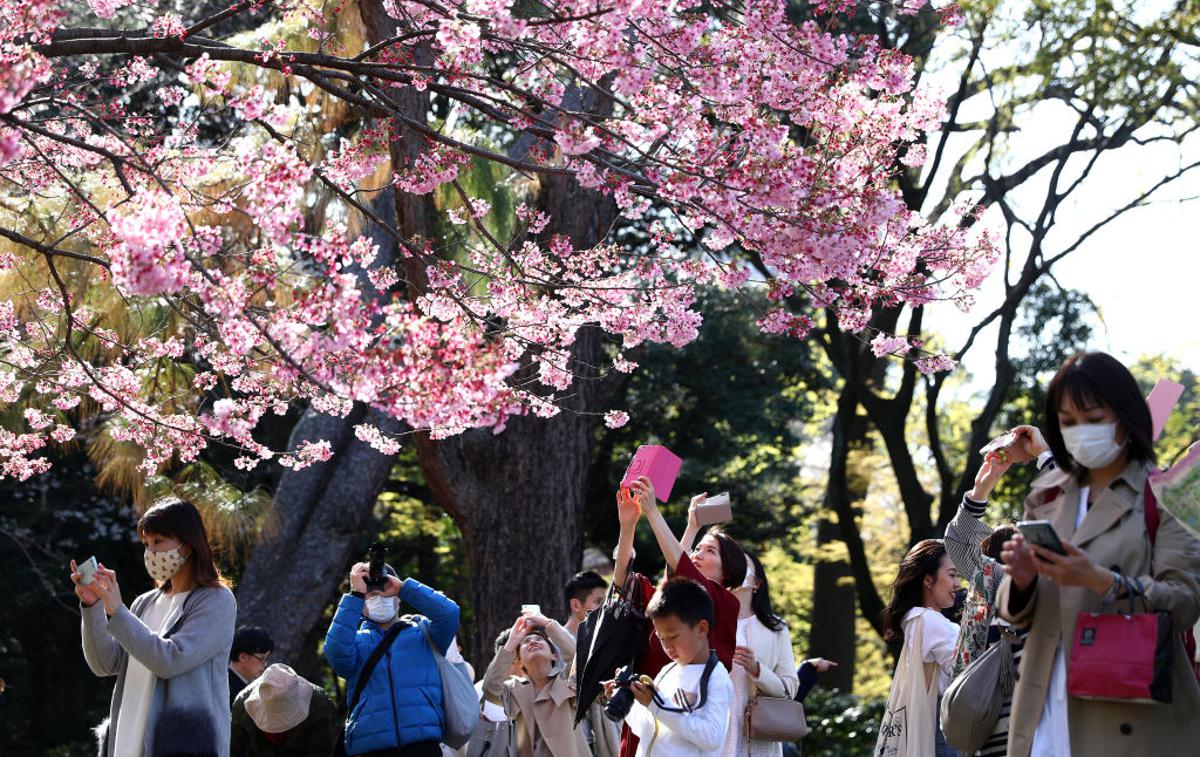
{"x": 1042, "y": 534}
{"x": 87, "y": 570}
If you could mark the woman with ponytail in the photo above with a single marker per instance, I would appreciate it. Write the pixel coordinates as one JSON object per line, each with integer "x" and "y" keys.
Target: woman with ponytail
{"x": 169, "y": 648}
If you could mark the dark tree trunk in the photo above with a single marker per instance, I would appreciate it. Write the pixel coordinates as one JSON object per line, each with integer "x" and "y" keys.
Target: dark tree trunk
{"x": 519, "y": 496}
{"x": 834, "y": 612}
{"x": 320, "y": 512}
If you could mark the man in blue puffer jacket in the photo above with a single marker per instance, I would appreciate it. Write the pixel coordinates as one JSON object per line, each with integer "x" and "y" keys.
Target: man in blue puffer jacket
{"x": 399, "y": 712}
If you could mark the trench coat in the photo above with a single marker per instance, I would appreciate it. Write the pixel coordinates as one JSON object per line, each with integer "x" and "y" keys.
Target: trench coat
{"x": 1113, "y": 533}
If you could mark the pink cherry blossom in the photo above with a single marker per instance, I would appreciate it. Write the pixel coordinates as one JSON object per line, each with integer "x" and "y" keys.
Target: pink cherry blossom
{"x": 149, "y": 258}
{"x": 616, "y": 418}
{"x": 885, "y": 344}
{"x": 270, "y": 277}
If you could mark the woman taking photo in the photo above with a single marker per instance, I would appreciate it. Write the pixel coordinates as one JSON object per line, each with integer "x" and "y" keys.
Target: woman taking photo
{"x": 169, "y": 649}
{"x": 1098, "y": 429}
{"x": 924, "y": 586}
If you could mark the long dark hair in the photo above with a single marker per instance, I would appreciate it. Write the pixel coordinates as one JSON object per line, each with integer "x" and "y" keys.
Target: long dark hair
{"x": 1097, "y": 378}
{"x": 908, "y": 590}
{"x": 179, "y": 519}
{"x": 760, "y": 601}
{"x": 733, "y": 559}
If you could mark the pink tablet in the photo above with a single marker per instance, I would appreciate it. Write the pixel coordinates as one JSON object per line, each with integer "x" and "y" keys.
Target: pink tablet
{"x": 656, "y": 463}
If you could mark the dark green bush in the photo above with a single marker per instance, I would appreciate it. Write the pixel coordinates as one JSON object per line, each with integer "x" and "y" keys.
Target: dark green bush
{"x": 843, "y": 725}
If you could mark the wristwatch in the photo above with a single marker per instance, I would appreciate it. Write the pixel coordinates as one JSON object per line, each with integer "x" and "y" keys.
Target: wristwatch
{"x": 1114, "y": 589}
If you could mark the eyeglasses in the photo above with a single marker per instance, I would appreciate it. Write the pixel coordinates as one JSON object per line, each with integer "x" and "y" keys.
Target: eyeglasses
{"x": 262, "y": 657}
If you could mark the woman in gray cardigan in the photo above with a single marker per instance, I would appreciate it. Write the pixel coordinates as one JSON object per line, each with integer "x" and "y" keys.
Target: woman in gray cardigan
{"x": 169, "y": 648}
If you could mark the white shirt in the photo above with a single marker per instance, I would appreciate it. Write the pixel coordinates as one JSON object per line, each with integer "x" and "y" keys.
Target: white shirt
{"x": 938, "y": 637}
{"x": 139, "y": 681}
{"x": 698, "y": 733}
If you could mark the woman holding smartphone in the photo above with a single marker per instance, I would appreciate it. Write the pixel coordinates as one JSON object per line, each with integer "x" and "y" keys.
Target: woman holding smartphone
{"x": 1098, "y": 429}
{"x": 169, "y": 648}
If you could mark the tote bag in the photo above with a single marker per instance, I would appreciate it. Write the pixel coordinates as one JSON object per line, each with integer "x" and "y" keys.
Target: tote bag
{"x": 907, "y": 729}
{"x": 459, "y": 699}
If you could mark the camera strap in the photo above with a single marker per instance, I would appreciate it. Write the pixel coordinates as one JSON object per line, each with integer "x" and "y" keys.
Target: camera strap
{"x": 708, "y": 669}
{"x": 361, "y": 682}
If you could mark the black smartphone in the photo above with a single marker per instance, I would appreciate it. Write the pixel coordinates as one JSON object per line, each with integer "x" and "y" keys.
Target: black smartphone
{"x": 376, "y": 557}
{"x": 1041, "y": 533}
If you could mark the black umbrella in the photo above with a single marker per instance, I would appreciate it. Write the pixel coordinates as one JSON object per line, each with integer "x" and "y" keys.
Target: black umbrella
{"x": 612, "y": 635}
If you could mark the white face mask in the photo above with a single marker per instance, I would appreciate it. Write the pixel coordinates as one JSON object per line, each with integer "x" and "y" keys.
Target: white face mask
{"x": 382, "y": 609}
{"x": 1092, "y": 445}
{"x": 162, "y": 565}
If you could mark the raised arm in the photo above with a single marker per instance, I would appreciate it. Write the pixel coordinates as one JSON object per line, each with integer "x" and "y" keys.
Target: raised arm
{"x": 442, "y": 611}
{"x": 966, "y": 531}
{"x": 693, "y": 526}
{"x": 628, "y": 513}
{"x": 206, "y": 632}
{"x": 672, "y": 550}
{"x": 502, "y": 662}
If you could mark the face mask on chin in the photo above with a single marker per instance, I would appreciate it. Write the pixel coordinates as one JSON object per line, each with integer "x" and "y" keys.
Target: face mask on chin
{"x": 1092, "y": 445}
{"x": 382, "y": 609}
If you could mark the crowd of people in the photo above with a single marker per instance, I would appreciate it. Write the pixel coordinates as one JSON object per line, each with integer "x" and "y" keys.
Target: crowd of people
{"x": 709, "y": 667}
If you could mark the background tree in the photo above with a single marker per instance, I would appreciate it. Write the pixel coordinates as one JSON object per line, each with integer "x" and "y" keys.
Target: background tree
{"x": 1101, "y": 78}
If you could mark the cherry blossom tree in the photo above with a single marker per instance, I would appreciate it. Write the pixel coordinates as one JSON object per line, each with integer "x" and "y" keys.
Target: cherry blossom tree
{"x": 170, "y": 285}
{"x": 765, "y": 139}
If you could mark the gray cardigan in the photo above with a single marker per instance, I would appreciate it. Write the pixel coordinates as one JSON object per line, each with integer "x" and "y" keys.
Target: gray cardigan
{"x": 189, "y": 662}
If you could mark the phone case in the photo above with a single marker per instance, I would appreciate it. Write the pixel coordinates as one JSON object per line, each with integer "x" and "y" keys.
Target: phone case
{"x": 718, "y": 512}
{"x": 656, "y": 463}
{"x": 1000, "y": 442}
{"x": 1162, "y": 400}
{"x": 87, "y": 569}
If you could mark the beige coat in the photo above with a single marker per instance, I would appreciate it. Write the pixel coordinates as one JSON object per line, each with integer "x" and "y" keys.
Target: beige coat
{"x": 776, "y": 678}
{"x": 557, "y": 731}
{"x": 1113, "y": 534}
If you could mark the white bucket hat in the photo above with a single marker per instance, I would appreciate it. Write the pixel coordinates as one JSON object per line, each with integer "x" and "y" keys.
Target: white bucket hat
{"x": 278, "y": 700}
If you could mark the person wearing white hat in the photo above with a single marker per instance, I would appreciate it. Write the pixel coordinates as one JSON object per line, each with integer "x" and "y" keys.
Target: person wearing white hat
{"x": 282, "y": 715}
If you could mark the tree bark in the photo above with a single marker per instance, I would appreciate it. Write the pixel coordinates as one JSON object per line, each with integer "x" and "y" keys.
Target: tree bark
{"x": 519, "y": 496}
{"x": 320, "y": 512}
{"x": 834, "y": 613}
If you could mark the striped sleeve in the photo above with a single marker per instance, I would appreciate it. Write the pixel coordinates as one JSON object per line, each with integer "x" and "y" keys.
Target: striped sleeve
{"x": 964, "y": 535}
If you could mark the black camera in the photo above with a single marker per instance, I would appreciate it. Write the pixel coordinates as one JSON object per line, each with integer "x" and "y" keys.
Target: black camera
{"x": 376, "y": 558}
{"x": 617, "y": 707}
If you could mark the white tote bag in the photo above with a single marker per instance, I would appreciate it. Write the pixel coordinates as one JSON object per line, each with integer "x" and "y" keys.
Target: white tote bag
{"x": 909, "y": 721}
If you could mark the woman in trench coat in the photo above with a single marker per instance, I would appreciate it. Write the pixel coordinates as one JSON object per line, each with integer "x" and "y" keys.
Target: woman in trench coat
{"x": 1098, "y": 428}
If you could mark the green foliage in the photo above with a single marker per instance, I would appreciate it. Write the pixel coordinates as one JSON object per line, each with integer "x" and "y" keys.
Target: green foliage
{"x": 842, "y": 725}
{"x": 732, "y": 404}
